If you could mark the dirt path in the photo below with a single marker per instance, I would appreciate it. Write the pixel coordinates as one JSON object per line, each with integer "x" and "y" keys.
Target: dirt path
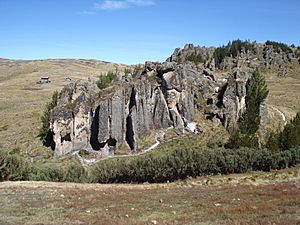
{"x": 281, "y": 114}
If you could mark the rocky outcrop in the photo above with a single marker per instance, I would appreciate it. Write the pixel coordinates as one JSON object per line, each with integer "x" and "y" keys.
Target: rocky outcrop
{"x": 163, "y": 95}
{"x": 104, "y": 120}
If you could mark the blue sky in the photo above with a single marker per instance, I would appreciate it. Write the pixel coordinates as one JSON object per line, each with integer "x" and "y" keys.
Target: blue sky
{"x": 133, "y": 31}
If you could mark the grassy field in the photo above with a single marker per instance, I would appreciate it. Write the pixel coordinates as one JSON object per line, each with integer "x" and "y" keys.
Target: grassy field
{"x": 255, "y": 198}
{"x": 22, "y": 100}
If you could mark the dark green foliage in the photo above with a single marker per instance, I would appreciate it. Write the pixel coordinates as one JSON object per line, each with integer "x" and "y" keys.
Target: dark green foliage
{"x": 72, "y": 172}
{"x": 194, "y": 57}
{"x": 220, "y": 54}
{"x": 273, "y": 142}
{"x": 183, "y": 162}
{"x": 232, "y": 49}
{"x": 13, "y": 166}
{"x": 288, "y": 138}
{"x": 238, "y": 139}
{"x": 277, "y": 46}
{"x": 106, "y": 79}
{"x": 257, "y": 91}
{"x": 45, "y": 118}
{"x": 237, "y": 45}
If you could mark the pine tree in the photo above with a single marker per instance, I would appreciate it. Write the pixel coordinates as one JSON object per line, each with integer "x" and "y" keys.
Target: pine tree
{"x": 290, "y": 136}
{"x": 246, "y": 134}
{"x": 257, "y": 92}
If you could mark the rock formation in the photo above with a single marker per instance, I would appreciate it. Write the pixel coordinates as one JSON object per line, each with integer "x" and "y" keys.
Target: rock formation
{"x": 163, "y": 95}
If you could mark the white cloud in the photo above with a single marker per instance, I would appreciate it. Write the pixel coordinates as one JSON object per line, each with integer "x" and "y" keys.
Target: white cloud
{"x": 122, "y": 4}
{"x": 141, "y": 2}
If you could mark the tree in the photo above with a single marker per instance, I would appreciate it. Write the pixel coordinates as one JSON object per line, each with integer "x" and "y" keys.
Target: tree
{"x": 290, "y": 136}
{"x": 257, "y": 91}
{"x": 246, "y": 134}
{"x": 45, "y": 118}
{"x": 106, "y": 79}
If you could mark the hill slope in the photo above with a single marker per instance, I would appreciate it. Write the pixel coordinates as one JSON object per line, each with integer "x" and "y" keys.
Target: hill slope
{"x": 22, "y": 100}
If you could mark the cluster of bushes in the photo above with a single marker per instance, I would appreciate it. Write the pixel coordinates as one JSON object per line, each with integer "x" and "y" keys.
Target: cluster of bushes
{"x": 45, "y": 118}
{"x": 289, "y": 137}
{"x": 181, "y": 163}
{"x": 178, "y": 163}
{"x": 194, "y": 57}
{"x": 71, "y": 172}
{"x": 232, "y": 49}
{"x": 277, "y": 46}
{"x": 106, "y": 79}
{"x": 15, "y": 167}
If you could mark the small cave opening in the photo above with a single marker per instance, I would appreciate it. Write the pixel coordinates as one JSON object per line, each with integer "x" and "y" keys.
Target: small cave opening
{"x": 130, "y": 133}
{"x": 48, "y": 140}
{"x": 111, "y": 141}
{"x": 96, "y": 145}
{"x": 210, "y": 101}
{"x": 221, "y": 96}
{"x": 67, "y": 137}
{"x": 132, "y": 101}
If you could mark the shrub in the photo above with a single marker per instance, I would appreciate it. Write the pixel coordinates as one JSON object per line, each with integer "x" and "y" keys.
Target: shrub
{"x": 288, "y": 138}
{"x": 194, "y": 57}
{"x": 277, "y": 46}
{"x": 232, "y": 49}
{"x": 45, "y": 118}
{"x": 72, "y": 172}
{"x": 106, "y": 79}
{"x": 181, "y": 163}
{"x": 13, "y": 166}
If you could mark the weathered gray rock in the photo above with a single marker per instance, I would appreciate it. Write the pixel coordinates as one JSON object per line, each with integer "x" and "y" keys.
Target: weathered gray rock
{"x": 103, "y": 120}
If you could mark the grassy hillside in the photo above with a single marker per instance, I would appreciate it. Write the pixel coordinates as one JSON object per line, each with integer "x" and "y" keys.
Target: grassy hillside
{"x": 22, "y": 100}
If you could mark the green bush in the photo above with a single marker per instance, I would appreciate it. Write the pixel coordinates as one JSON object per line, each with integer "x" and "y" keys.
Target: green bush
{"x": 288, "y": 138}
{"x": 45, "y": 118}
{"x": 72, "y": 172}
{"x": 181, "y": 163}
{"x": 13, "y": 166}
{"x": 194, "y": 57}
{"x": 106, "y": 79}
{"x": 277, "y": 46}
{"x": 232, "y": 49}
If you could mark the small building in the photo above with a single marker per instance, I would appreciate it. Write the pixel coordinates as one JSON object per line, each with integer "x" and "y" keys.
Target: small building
{"x": 44, "y": 80}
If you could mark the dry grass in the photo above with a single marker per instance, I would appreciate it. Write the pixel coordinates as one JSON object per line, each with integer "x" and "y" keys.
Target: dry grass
{"x": 285, "y": 91}
{"x": 256, "y": 198}
{"x": 22, "y": 100}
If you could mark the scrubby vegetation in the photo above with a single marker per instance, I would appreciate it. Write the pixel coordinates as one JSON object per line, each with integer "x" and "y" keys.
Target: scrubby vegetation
{"x": 106, "y": 79}
{"x": 232, "y": 49}
{"x": 289, "y": 137}
{"x": 70, "y": 172}
{"x": 45, "y": 118}
{"x": 278, "y": 46}
{"x": 181, "y": 163}
{"x": 13, "y": 166}
{"x": 194, "y": 57}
